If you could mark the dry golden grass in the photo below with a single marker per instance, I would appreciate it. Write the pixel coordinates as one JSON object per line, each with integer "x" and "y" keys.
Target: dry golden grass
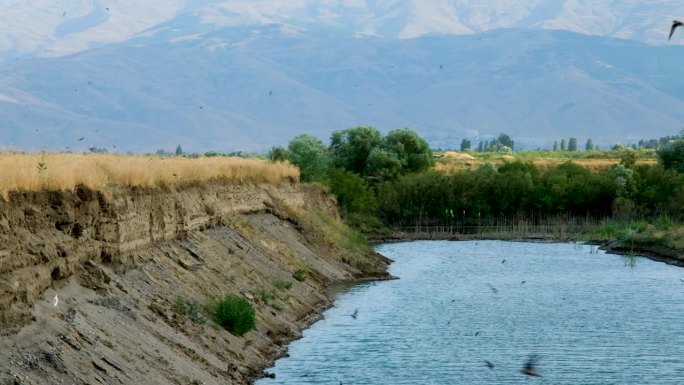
{"x": 35, "y": 172}
{"x": 541, "y": 163}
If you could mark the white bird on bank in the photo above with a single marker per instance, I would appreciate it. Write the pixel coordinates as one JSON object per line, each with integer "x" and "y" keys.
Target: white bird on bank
{"x": 55, "y": 301}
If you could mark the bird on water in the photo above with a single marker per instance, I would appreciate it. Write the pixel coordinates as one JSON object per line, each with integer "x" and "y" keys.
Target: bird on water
{"x": 675, "y": 24}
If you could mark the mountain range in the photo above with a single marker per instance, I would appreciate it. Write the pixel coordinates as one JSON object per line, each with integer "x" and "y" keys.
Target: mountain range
{"x": 247, "y": 75}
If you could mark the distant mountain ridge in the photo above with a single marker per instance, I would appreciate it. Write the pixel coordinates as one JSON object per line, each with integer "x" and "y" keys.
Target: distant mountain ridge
{"x": 58, "y": 27}
{"x": 247, "y": 75}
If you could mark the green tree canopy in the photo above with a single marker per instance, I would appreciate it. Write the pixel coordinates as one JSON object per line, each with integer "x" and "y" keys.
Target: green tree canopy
{"x": 590, "y": 145}
{"x": 671, "y": 155}
{"x": 350, "y": 148}
{"x": 311, "y": 156}
{"x": 505, "y": 140}
{"x": 412, "y": 151}
{"x": 277, "y": 154}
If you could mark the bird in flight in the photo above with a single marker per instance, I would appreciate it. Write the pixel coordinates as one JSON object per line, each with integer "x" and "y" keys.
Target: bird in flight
{"x": 355, "y": 314}
{"x": 55, "y": 301}
{"x": 489, "y": 364}
{"x": 529, "y": 367}
{"x": 675, "y": 24}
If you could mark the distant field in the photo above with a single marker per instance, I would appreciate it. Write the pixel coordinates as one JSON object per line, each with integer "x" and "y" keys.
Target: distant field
{"x": 592, "y": 160}
{"x": 34, "y": 172}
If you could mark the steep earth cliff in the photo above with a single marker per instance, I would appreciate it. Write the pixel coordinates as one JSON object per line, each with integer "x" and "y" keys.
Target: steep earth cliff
{"x": 108, "y": 287}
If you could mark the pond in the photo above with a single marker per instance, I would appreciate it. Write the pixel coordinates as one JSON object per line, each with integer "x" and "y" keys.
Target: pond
{"x": 585, "y": 317}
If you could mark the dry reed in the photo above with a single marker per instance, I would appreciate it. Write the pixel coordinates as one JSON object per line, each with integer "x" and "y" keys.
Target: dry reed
{"x": 48, "y": 171}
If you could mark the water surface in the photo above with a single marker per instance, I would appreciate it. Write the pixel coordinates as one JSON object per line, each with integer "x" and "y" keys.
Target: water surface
{"x": 591, "y": 318}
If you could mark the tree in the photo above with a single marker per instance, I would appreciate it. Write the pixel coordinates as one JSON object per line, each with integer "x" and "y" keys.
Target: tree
{"x": 412, "y": 151}
{"x": 572, "y": 144}
{"x": 311, "y": 156}
{"x": 505, "y": 140}
{"x": 277, "y": 154}
{"x": 465, "y": 145}
{"x": 383, "y": 165}
{"x": 352, "y": 192}
{"x": 179, "y": 150}
{"x": 590, "y": 145}
{"x": 563, "y": 145}
{"x": 480, "y": 147}
{"x": 671, "y": 155}
{"x": 350, "y": 148}
{"x": 555, "y": 145}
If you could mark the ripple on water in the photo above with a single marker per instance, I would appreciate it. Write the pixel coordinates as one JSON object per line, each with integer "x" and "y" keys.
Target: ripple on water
{"x": 590, "y": 318}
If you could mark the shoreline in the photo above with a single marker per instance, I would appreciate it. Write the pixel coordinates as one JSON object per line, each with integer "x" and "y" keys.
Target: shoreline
{"x": 655, "y": 253}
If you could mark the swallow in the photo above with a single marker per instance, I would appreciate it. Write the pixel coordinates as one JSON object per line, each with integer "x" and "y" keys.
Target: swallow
{"x": 489, "y": 364}
{"x": 355, "y": 314}
{"x": 675, "y": 24}
{"x": 529, "y": 368}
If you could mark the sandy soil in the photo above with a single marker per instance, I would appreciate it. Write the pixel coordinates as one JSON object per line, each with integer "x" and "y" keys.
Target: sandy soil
{"x": 114, "y": 318}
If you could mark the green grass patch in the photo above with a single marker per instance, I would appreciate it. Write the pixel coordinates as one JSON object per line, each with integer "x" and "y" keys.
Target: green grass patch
{"x": 300, "y": 275}
{"x": 282, "y": 284}
{"x": 191, "y": 309}
{"x": 235, "y": 314}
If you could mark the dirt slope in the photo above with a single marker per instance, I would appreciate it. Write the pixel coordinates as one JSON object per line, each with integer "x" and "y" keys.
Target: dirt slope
{"x": 119, "y": 266}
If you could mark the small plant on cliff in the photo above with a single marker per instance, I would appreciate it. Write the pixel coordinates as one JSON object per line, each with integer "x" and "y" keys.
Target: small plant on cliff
{"x": 300, "y": 275}
{"x": 190, "y": 308}
{"x": 42, "y": 170}
{"x": 282, "y": 284}
{"x": 236, "y": 314}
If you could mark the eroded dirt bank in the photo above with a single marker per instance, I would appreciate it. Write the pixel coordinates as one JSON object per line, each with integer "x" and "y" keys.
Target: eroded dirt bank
{"x": 91, "y": 282}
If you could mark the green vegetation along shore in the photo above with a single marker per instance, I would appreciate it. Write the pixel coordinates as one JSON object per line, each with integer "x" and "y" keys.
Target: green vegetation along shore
{"x": 395, "y": 186}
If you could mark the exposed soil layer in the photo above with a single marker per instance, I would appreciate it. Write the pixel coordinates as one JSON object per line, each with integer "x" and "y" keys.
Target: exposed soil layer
{"x": 95, "y": 287}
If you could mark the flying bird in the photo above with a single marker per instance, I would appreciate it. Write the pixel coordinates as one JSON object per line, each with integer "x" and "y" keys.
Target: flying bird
{"x": 529, "y": 368}
{"x": 489, "y": 364}
{"x": 675, "y": 24}
{"x": 355, "y": 314}
{"x": 55, "y": 301}
{"x": 81, "y": 138}
{"x": 494, "y": 290}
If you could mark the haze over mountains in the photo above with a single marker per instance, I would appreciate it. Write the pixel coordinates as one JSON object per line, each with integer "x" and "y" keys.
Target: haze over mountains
{"x": 247, "y": 75}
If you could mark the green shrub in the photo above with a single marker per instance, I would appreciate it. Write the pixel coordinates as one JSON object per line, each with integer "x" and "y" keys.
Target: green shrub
{"x": 300, "y": 275}
{"x": 282, "y": 284}
{"x": 235, "y": 314}
{"x": 190, "y": 308}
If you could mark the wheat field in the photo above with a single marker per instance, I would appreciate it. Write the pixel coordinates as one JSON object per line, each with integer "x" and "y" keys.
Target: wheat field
{"x": 60, "y": 171}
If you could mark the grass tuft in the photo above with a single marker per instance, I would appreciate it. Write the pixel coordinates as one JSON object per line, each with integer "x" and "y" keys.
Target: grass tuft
{"x": 235, "y": 314}
{"x": 300, "y": 275}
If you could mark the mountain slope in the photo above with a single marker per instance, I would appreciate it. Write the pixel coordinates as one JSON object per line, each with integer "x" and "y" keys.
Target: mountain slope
{"x": 59, "y": 27}
{"x": 242, "y": 88}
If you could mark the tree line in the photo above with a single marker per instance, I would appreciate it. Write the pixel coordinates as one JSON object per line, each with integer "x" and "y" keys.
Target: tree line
{"x": 391, "y": 178}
